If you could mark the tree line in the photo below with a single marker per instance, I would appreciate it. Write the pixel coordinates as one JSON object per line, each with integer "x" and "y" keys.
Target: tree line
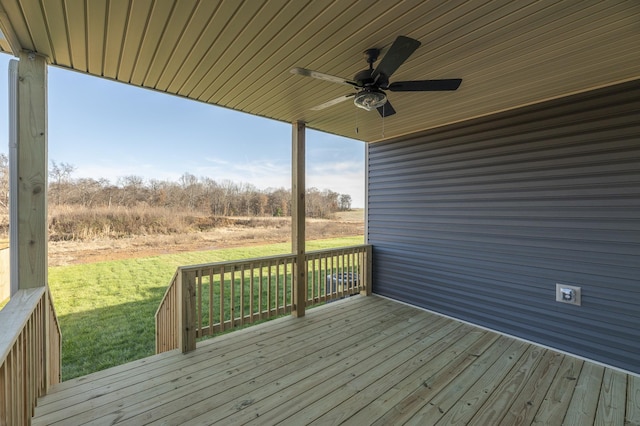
{"x": 199, "y": 194}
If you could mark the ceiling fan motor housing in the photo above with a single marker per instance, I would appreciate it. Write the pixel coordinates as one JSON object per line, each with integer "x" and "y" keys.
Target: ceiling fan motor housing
{"x": 363, "y": 78}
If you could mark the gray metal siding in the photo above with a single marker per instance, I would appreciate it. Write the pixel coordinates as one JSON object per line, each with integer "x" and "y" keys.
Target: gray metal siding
{"x": 481, "y": 219}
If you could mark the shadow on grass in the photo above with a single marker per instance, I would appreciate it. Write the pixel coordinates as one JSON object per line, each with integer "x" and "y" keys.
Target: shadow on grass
{"x": 96, "y": 339}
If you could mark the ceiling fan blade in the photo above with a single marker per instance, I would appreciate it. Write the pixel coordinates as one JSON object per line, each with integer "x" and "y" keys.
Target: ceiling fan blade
{"x": 332, "y": 102}
{"x": 425, "y": 85}
{"x": 386, "y": 110}
{"x": 322, "y": 76}
{"x": 399, "y": 52}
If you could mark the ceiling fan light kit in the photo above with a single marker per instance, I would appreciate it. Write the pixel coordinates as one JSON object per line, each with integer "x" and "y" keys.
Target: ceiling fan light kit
{"x": 371, "y": 83}
{"x": 370, "y": 99}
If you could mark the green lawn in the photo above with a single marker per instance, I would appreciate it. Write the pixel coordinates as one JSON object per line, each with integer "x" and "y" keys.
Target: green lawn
{"x": 106, "y": 309}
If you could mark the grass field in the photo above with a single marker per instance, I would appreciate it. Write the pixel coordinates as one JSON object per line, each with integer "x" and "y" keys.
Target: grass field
{"x": 106, "y": 309}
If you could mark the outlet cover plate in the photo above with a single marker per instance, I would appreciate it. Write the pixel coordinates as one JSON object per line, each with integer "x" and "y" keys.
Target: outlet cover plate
{"x": 570, "y": 294}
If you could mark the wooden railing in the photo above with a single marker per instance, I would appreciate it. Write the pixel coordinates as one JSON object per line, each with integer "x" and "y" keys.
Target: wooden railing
{"x": 202, "y": 300}
{"x": 29, "y": 353}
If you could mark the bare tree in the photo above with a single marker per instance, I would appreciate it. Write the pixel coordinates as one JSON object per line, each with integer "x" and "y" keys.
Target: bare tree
{"x": 191, "y": 188}
{"x": 60, "y": 173}
{"x": 344, "y": 202}
{"x": 86, "y": 191}
{"x": 279, "y": 202}
{"x": 224, "y": 198}
{"x": 4, "y": 184}
{"x": 133, "y": 190}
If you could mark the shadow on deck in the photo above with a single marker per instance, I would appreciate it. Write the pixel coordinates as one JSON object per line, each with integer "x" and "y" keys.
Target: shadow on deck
{"x": 363, "y": 360}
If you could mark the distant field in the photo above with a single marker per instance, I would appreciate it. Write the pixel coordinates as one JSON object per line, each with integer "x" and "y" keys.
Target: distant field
{"x": 230, "y": 232}
{"x": 355, "y": 215}
{"x": 106, "y": 309}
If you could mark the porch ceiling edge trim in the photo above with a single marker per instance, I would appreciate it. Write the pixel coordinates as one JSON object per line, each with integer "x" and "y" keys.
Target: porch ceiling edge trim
{"x": 499, "y": 111}
{"x": 8, "y": 33}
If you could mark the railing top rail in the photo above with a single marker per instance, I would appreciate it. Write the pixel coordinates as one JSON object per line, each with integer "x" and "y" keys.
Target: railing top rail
{"x": 337, "y": 249}
{"x": 191, "y": 268}
{"x": 15, "y": 315}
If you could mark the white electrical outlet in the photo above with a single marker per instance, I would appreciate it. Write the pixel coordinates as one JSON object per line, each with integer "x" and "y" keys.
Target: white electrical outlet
{"x": 568, "y": 294}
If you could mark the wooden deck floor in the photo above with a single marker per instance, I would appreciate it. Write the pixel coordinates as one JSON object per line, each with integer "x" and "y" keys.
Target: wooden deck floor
{"x": 365, "y": 360}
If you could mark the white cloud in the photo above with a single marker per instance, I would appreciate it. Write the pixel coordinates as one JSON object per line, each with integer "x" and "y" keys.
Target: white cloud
{"x": 343, "y": 183}
{"x": 112, "y": 173}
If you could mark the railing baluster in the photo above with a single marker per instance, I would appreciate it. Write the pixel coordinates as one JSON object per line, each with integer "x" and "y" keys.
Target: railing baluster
{"x": 340, "y": 267}
{"x": 211, "y": 301}
{"x": 269, "y": 290}
{"x": 352, "y": 271}
{"x": 359, "y": 270}
{"x": 260, "y": 290}
{"x": 319, "y": 279}
{"x": 222, "y": 313}
{"x": 292, "y": 283}
{"x": 347, "y": 270}
{"x": 277, "y": 295}
{"x": 324, "y": 272}
{"x": 241, "y": 304}
{"x": 18, "y": 368}
{"x": 345, "y": 266}
{"x": 199, "y": 305}
{"x": 330, "y": 273}
{"x": 174, "y": 316}
{"x": 309, "y": 285}
{"x": 285, "y": 289}
{"x": 232, "y": 304}
{"x": 314, "y": 281}
{"x": 251, "y": 295}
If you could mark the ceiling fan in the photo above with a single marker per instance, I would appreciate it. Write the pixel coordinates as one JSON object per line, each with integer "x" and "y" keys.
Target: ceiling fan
{"x": 371, "y": 83}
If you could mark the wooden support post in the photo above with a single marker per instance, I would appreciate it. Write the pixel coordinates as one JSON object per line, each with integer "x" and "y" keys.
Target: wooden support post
{"x": 298, "y": 236}
{"x": 31, "y": 165}
{"x": 187, "y": 303}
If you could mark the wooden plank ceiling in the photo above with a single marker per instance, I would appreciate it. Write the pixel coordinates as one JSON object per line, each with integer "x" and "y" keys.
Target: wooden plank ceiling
{"x": 238, "y": 54}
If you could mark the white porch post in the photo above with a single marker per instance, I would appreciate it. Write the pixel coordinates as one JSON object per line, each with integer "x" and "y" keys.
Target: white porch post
{"x": 31, "y": 165}
{"x": 298, "y": 236}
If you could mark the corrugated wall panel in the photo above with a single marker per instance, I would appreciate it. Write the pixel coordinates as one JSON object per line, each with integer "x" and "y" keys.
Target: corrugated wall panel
{"x": 480, "y": 221}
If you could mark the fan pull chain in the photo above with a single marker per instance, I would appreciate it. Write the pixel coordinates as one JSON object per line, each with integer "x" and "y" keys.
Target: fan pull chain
{"x": 383, "y": 114}
{"x": 357, "y": 121}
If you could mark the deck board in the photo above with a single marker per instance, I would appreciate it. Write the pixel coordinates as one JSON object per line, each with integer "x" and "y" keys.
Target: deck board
{"x": 370, "y": 375}
{"x": 633, "y": 400}
{"x": 416, "y": 390}
{"x": 363, "y": 360}
{"x": 523, "y": 409}
{"x": 611, "y": 404}
{"x": 583, "y": 404}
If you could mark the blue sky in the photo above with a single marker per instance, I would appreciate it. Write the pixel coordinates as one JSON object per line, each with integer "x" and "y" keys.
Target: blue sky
{"x": 107, "y": 129}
